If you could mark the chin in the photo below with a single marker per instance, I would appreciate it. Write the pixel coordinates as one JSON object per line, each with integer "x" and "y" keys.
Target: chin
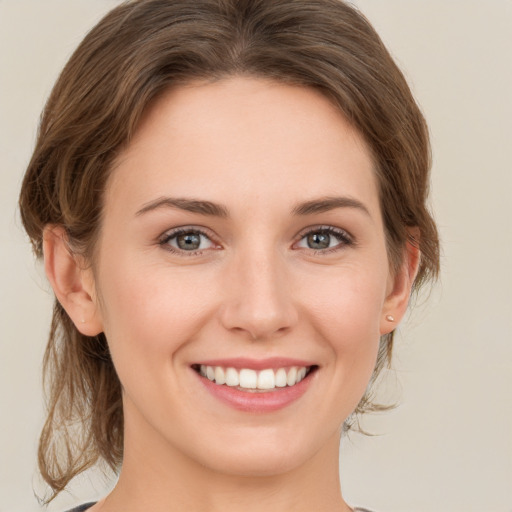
{"x": 267, "y": 453}
{"x": 259, "y": 463}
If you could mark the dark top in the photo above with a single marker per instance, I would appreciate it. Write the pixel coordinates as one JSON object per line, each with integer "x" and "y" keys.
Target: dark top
{"x": 85, "y": 506}
{"x": 81, "y": 508}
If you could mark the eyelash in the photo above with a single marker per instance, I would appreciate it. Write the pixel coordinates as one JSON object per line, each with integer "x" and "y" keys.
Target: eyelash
{"x": 344, "y": 239}
{"x": 175, "y": 233}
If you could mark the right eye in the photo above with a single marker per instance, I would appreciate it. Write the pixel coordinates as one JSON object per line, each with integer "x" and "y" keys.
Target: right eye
{"x": 191, "y": 241}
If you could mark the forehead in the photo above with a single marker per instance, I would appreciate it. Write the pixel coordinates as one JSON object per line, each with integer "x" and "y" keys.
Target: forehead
{"x": 244, "y": 137}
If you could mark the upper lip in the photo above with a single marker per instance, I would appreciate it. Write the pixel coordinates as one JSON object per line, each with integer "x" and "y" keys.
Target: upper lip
{"x": 256, "y": 364}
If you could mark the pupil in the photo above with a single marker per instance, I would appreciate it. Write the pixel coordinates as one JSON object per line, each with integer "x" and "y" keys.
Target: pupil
{"x": 189, "y": 241}
{"x": 319, "y": 240}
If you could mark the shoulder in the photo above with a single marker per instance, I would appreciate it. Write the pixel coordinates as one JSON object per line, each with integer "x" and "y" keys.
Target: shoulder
{"x": 85, "y": 506}
{"x": 81, "y": 508}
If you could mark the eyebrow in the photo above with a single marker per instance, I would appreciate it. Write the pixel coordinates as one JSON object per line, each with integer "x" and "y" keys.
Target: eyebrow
{"x": 326, "y": 204}
{"x": 211, "y": 209}
{"x": 189, "y": 205}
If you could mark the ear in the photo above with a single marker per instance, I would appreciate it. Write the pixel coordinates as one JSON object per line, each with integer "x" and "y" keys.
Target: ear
{"x": 72, "y": 282}
{"x": 400, "y": 284}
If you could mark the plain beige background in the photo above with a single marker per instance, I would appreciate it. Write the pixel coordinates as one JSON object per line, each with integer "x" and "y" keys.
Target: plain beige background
{"x": 448, "y": 447}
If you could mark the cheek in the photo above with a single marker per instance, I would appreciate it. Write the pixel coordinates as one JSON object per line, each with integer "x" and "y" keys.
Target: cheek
{"x": 348, "y": 306}
{"x": 347, "y": 317}
{"x": 148, "y": 312}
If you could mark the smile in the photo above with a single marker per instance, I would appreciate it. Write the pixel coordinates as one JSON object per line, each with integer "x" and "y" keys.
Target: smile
{"x": 246, "y": 379}
{"x": 256, "y": 385}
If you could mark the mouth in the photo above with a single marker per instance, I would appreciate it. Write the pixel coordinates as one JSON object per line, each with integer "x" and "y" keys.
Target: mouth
{"x": 250, "y": 380}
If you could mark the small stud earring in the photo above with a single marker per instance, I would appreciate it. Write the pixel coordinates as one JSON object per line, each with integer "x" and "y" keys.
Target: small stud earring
{"x": 390, "y": 318}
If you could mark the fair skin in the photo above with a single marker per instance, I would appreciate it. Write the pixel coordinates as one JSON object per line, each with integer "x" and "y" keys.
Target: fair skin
{"x": 280, "y": 260}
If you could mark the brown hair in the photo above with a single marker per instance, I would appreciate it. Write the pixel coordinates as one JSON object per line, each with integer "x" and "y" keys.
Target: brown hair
{"x": 137, "y": 51}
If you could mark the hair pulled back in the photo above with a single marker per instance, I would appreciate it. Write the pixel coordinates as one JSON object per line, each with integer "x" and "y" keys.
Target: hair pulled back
{"x": 138, "y": 51}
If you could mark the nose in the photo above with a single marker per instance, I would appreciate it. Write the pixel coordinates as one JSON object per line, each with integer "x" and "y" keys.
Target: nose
{"x": 257, "y": 298}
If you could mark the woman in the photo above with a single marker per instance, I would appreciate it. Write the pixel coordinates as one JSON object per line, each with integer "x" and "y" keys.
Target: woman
{"x": 230, "y": 199}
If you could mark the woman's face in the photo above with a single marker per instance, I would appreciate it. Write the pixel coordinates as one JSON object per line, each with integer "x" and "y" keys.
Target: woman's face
{"x": 242, "y": 230}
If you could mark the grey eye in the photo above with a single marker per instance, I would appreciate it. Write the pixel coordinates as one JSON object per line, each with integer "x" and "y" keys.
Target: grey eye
{"x": 325, "y": 238}
{"x": 188, "y": 241}
{"x": 319, "y": 240}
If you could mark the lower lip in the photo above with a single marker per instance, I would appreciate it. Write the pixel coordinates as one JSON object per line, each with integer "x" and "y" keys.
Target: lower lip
{"x": 258, "y": 401}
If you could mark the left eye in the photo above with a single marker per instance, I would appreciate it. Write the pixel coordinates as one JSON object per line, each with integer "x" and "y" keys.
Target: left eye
{"x": 188, "y": 241}
{"x": 322, "y": 239}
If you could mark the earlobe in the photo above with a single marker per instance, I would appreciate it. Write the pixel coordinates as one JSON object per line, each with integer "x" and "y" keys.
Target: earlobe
{"x": 401, "y": 284}
{"x": 72, "y": 284}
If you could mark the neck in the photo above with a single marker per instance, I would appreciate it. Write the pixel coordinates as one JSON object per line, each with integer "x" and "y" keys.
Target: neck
{"x": 158, "y": 477}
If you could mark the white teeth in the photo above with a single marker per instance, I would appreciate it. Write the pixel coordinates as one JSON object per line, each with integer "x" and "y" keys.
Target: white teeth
{"x": 266, "y": 379}
{"x": 292, "y": 376}
{"x": 281, "y": 378}
{"x": 248, "y": 379}
{"x": 251, "y": 379}
{"x": 220, "y": 377}
{"x": 232, "y": 378}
